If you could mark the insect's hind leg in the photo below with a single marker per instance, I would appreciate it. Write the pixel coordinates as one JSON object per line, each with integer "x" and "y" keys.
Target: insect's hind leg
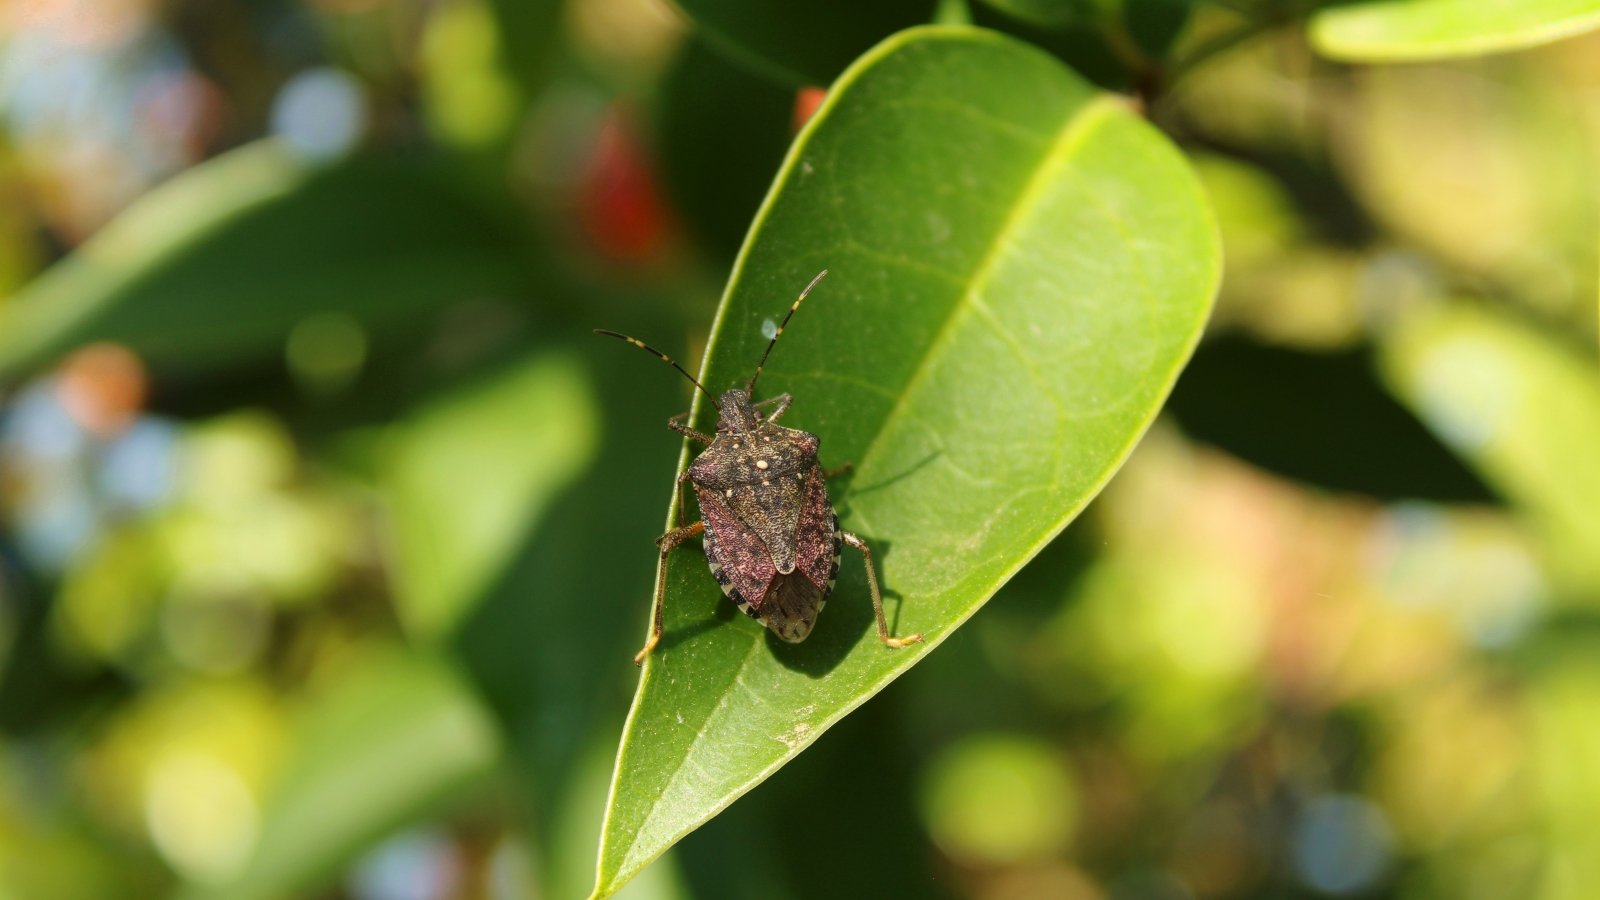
{"x": 665, "y": 544}
{"x": 877, "y": 599}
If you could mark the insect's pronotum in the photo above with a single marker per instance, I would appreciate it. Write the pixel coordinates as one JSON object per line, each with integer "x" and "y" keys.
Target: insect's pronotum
{"x": 770, "y": 533}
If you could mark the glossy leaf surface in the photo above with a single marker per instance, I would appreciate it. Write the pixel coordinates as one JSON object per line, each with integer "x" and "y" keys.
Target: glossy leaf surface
{"x": 215, "y": 268}
{"x": 1019, "y": 267}
{"x": 1400, "y": 30}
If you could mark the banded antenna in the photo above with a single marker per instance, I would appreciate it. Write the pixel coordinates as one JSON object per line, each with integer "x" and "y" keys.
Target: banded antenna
{"x": 750, "y": 389}
{"x": 658, "y": 355}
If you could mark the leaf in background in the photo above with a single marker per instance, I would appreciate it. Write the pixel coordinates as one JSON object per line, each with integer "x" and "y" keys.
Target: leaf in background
{"x": 1522, "y": 408}
{"x": 214, "y": 268}
{"x": 880, "y": 847}
{"x": 1155, "y": 25}
{"x": 1048, "y": 13}
{"x": 469, "y": 475}
{"x": 394, "y": 737}
{"x": 723, "y": 131}
{"x": 529, "y": 31}
{"x": 1322, "y": 417}
{"x": 1401, "y": 30}
{"x": 1105, "y": 25}
{"x": 801, "y": 44}
{"x": 549, "y": 641}
{"x": 1019, "y": 268}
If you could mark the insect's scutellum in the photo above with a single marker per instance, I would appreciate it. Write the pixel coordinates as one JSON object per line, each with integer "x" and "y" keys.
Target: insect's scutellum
{"x": 771, "y": 537}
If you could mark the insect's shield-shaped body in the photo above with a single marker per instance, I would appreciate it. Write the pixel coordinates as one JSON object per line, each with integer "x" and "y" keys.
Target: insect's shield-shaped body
{"x": 770, "y": 534}
{"x": 771, "y": 537}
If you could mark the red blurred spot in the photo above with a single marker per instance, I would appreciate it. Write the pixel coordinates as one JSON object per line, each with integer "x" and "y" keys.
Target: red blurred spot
{"x": 619, "y": 201}
{"x": 806, "y": 101}
{"x": 103, "y": 387}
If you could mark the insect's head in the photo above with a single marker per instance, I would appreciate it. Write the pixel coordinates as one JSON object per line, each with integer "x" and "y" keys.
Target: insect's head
{"x": 735, "y": 413}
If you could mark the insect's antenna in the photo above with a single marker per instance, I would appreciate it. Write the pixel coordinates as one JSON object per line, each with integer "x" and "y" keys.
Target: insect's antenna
{"x": 659, "y": 355}
{"x": 751, "y": 387}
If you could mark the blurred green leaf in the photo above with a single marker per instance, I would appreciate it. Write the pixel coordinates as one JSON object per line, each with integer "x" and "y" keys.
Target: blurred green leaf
{"x": 469, "y": 475}
{"x": 529, "y": 32}
{"x": 1020, "y": 267}
{"x": 1522, "y": 408}
{"x": 718, "y": 183}
{"x": 801, "y": 44}
{"x": 548, "y": 642}
{"x": 1048, "y": 13}
{"x": 1155, "y": 25}
{"x": 1401, "y": 30}
{"x": 214, "y": 268}
{"x": 880, "y": 849}
{"x": 1323, "y": 418}
{"x": 394, "y": 737}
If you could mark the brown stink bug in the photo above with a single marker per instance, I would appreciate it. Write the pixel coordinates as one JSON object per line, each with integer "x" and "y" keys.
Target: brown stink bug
{"x": 771, "y": 536}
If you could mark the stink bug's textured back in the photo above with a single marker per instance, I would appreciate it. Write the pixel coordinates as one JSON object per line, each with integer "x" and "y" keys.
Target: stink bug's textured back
{"x": 771, "y": 537}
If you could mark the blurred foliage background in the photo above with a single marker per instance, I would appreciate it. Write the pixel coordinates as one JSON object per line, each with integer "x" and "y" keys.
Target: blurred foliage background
{"x": 327, "y": 523}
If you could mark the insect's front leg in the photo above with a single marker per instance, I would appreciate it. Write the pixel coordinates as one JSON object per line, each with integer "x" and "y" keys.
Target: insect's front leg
{"x": 836, "y": 471}
{"x": 781, "y": 401}
{"x": 665, "y": 544}
{"x": 877, "y": 599}
{"x": 679, "y": 424}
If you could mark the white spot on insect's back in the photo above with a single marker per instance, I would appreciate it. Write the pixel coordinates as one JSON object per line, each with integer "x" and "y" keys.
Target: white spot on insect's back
{"x": 761, "y": 464}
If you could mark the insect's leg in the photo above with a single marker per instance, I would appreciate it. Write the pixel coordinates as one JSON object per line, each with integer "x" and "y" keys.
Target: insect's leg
{"x": 782, "y": 401}
{"x": 665, "y": 543}
{"x": 877, "y": 599}
{"x": 681, "y": 480}
{"x": 836, "y": 471}
{"x": 676, "y": 423}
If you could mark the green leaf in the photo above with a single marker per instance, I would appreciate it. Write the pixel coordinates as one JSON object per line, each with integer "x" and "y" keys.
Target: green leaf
{"x": 215, "y": 267}
{"x": 1156, "y": 25}
{"x": 1401, "y": 30}
{"x": 529, "y": 32}
{"x": 1049, "y": 13}
{"x": 549, "y": 640}
{"x": 801, "y": 44}
{"x": 718, "y": 184}
{"x": 1320, "y": 417}
{"x": 469, "y": 475}
{"x": 1520, "y": 407}
{"x": 1019, "y": 268}
{"x": 394, "y": 737}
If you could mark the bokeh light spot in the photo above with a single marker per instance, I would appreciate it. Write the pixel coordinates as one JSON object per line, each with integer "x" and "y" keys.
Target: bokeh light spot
{"x": 1341, "y": 844}
{"x": 321, "y": 113}
{"x": 201, "y": 814}
{"x": 1000, "y": 799}
{"x": 102, "y": 386}
{"x": 325, "y": 352}
{"x": 415, "y": 865}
